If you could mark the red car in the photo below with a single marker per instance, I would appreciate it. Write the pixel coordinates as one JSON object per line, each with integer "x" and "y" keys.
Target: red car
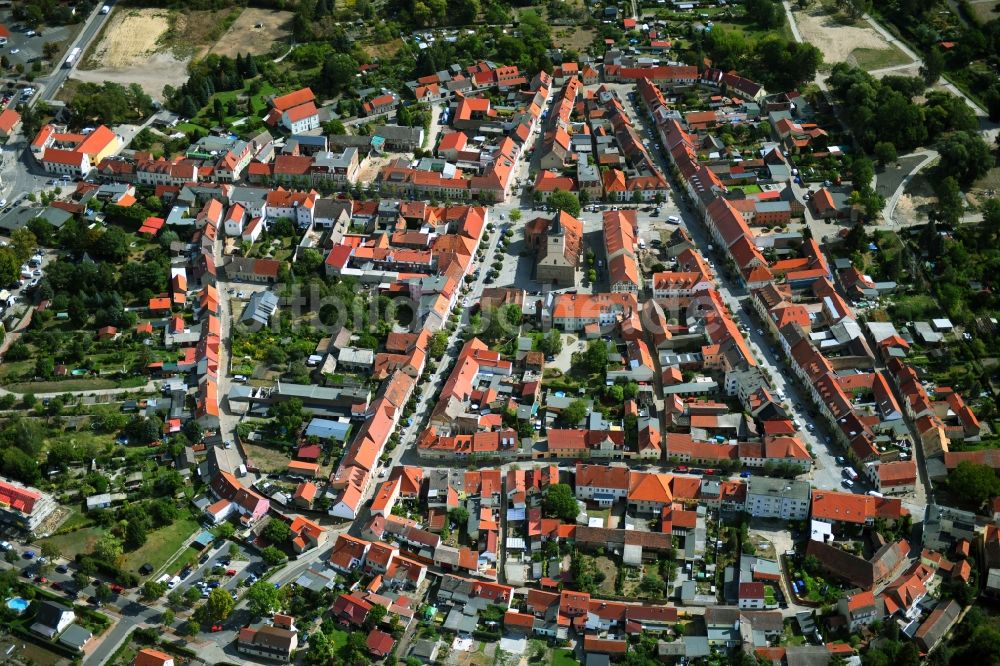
{"x": 116, "y": 588}
{"x": 40, "y": 579}
{"x": 681, "y": 469}
{"x": 230, "y": 572}
{"x": 216, "y": 627}
{"x": 56, "y": 585}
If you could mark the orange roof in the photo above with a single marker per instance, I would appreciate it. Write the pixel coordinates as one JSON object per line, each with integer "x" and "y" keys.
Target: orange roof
{"x": 293, "y": 99}
{"x": 305, "y": 491}
{"x": 649, "y": 488}
{"x": 8, "y": 119}
{"x": 162, "y": 303}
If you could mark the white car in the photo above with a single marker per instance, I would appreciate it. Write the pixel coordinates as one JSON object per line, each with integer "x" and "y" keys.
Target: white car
{"x": 15, "y": 51}
{"x": 3, "y": 202}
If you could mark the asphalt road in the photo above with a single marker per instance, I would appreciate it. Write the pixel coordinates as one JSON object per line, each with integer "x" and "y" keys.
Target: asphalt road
{"x": 55, "y": 81}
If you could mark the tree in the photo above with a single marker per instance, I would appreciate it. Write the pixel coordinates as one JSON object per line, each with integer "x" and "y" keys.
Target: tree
{"x": 973, "y": 484}
{"x": 263, "y": 598}
{"x": 575, "y": 412}
{"x": 152, "y": 590}
{"x": 277, "y": 531}
{"x": 375, "y": 616}
{"x": 964, "y": 156}
{"x": 595, "y": 359}
{"x": 459, "y": 515}
{"x": 565, "y": 201}
{"x": 109, "y": 549}
{"x": 167, "y": 618}
{"x": 885, "y": 152}
{"x": 219, "y": 605}
{"x": 273, "y": 556}
{"x": 552, "y": 343}
{"x": 560, "y": 502}
{"x": 339, "y": 70}
{"x": 515, "y": 215}
{"x": 103, "y": 592}
{"x": 933, "y": 65}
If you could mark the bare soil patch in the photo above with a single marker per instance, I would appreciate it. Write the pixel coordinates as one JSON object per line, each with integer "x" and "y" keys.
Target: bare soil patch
{"x": 917, "y": 199}
{"x": 569, "y": 37}
{"x": 383, "y": 51}
{"x": 834, "y": 39}
{"x": 153, "y": 74}
{"x": 254, "y": 32}
{"x": 131, "y": 38}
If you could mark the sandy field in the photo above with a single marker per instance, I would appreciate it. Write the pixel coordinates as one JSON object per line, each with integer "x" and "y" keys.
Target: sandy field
{"x": 835, "y": 40}
{"x": 152, "y": 74}
{"x": 245, "y": 37}
{"x": 131, "y": 38}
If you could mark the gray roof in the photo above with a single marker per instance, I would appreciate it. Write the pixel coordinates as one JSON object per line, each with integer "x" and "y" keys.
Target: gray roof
{"x": 764, "y": 485}
{"x": 259, "y": 310}
{"x": 75, "y": 636}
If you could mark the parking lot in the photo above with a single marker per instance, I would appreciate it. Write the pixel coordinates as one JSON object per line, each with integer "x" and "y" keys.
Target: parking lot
{"x": 26, "y": 47}
{"x": 213, "y": 567}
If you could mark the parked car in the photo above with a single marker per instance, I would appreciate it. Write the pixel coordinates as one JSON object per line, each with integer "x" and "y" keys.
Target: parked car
{"x": 230, "y": 572}
{"x": 29, "y": 555}
{"x": 216, "y": 628}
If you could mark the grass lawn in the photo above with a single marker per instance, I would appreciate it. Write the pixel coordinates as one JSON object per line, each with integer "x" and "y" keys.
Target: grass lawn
{"x": 161, "y": 544}
{"x": 339, "y": 639}
{"x": 747, "y": 189}
{"x": 206, "y": 116}
{"x": 78, "y": 541}
{"x": 869, "y": 59}
{"x": 15, "y": 369}
{"x": 563, "y": 657}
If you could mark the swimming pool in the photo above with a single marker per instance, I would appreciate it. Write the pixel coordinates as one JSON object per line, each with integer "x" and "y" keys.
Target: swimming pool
{"x": 17, "y": 604}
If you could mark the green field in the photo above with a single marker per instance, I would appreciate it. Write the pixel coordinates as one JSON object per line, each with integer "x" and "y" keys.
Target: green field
{"x": 563, "y": 657}
{"x": 870, "y": 59}
{"x": 77, "y": 542}
{"x": 162, "y": 544}
{"x": 747, "y": 189}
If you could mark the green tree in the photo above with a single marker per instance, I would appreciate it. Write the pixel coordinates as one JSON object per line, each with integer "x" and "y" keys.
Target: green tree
{"x": 109, "y": 549}
{"x": 973, "y": 484}
{"x": 375, "y": 616}
{"x": 277, "y": 532}
{"x": 263, "y": 599}
{"x": 167, "y": 618}
{"x": 885, "y": 152}
{"x": 575, "y": 412}
{"x": 338, "y": 71}
{"x": 560, "y": 502}
{"x": 459, "y": 515}
{"x": 219, "y": 605}
{"x": 964, "y": 156}
{"x": 595, "y": 359}
{"x": 152, "y": 590}
{"x": 565, "y": 201}
{"x": 273, "y": 556}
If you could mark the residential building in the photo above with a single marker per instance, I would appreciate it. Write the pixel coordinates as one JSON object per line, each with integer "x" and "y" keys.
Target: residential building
{"x": 777, "y": 498}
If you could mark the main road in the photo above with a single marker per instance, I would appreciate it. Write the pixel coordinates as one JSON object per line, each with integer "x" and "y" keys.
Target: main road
{"x": 52, "y": 83}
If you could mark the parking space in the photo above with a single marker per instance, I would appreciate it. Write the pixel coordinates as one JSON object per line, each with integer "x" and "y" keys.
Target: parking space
{"x": 26, "y": 47}
{"x": 216, "y": 568}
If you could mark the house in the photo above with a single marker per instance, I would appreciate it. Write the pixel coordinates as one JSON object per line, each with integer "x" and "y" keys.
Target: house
{"x": 75, "y": 637}
{"x": 247, "y": 269}
{"x": 558, "y": 244}
{"x": 385, "y": 103}
{"x": 777, "y": 498}
{"x": 937, "y": 624}
{"x": 751, "y": 595}
{"x": 23, "y": 507}
{"x": 380, "y": 644}
{"x": 860, "y": 610}
{"x": 151, "y": 657}
{"x": 74, "y": 155}
{"x": 268, "y": 641}
{"x": 10, "y": 122}
{"x": 295, "y": 111}
{"x": 51, "y": 618}
{"x": 308, "y": 535}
